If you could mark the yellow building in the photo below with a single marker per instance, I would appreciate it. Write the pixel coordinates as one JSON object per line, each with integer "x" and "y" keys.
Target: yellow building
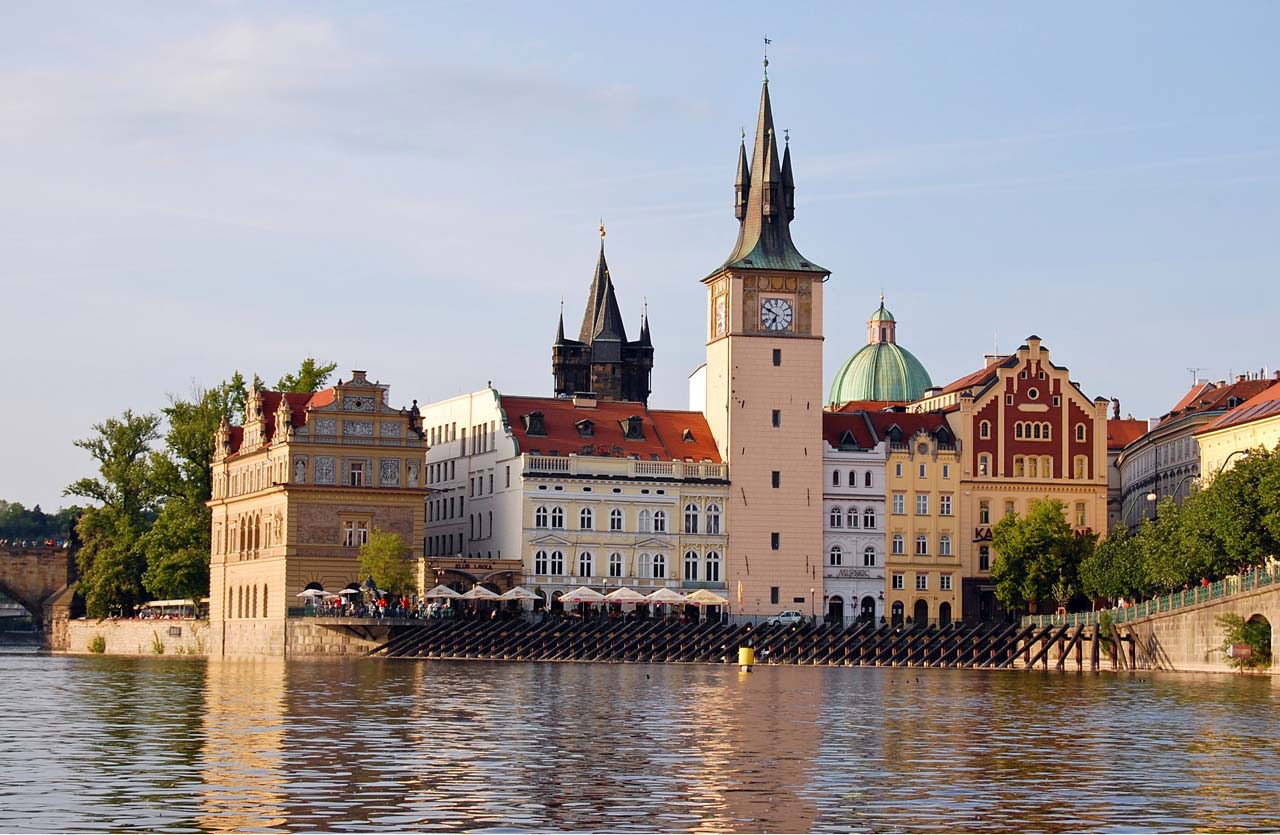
{"x": 296, "y": 490}
{"x": 922, "y": 531}
{"x": 764, "y": 387}
{"x": 1253, "y": 424}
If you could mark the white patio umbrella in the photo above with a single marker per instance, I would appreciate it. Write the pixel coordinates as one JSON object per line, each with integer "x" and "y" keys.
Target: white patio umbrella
{"x": 442, "y": 592}
{"x": 479, "y": 593}
{"x": 519, "y": 593}
{"x": 582, "y": 594}
{"x": 349, "y": 592}
{"x": 706, "y": 597}
{"x": 665, "y": 595}
{"x": 318, "y": 593}
{"x": 625, "y": 595}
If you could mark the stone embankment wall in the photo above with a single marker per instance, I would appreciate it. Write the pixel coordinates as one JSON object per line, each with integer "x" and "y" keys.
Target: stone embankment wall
{"x": 1190, "y": 639}
{"x": 140, "y": 637}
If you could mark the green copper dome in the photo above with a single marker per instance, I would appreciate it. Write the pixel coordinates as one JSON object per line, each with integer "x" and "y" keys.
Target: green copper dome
{"x": 880, "y": 370}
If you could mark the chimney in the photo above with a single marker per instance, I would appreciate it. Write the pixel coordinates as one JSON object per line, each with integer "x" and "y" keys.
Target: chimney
{"x": 1240, "y": 378}
{"x": 1152, "y": 423}
{"x": 989, "y": 360}
{"x": 1115, "y": 408}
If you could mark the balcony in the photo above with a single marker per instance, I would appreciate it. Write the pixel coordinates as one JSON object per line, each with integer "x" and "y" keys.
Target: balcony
{"x": 630, "y": 468}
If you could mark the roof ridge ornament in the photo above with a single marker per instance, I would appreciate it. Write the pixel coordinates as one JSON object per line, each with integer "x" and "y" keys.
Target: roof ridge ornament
{"x": 766, "y": 58}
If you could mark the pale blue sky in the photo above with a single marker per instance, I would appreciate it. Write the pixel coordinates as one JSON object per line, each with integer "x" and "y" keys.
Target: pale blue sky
{"x": 410, "y": 188}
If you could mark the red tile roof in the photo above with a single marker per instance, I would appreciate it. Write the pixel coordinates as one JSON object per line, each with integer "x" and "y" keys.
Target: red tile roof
{"x": 977, "y": 378}
{"x": 836, "y": 424}
{"x": 1211, "y": 397}
{"x": 1264, "y": 404}
{"x": 868, "y": 405}
{"x": 1121, "y": 433}
{"x": 664, "y": 430}
{"x": 298, "y": 402}
{"x": 909, "y": 422}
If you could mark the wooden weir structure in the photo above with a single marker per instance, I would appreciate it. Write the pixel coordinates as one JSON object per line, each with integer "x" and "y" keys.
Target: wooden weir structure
{"x": 978, "y": 646}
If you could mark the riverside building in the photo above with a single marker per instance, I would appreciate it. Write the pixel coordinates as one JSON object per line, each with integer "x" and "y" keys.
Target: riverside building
{"x": 1252, "y": 424}
{"x": 297, "y": 489}
{"x": 853, "y": 461}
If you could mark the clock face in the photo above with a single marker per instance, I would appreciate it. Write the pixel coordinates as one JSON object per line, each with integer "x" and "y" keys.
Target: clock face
{"x": 775, "y": 314}
{"x": 720, "y": 315}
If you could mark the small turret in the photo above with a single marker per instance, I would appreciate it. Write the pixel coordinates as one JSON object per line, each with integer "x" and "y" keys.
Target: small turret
{"x": 788, "y": 184}
{"x": 742, "y": 186}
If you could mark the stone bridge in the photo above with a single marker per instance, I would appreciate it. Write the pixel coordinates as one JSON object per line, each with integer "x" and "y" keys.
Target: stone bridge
{"x": 34, "y": 576}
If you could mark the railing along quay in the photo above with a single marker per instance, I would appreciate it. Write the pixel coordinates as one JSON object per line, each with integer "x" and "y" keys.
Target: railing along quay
{"x": 1226, "y": 587}
{"x": 987, "y": 645}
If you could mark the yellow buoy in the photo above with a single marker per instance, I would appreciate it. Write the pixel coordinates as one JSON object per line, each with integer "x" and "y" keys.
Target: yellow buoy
{"x": 746, "y": 658}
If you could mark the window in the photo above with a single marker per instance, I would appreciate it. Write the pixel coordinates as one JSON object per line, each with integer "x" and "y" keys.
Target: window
{"x": 869, "y": 518}
{"x": 646, "y": 565}
{"x": 922, "y": 546}
{"x": 691, "y": 518}
{"x": 1009, "y": 509}
{"x": 852, "y": 515}
{"x": 984, "y": 512}
{"x": 899, "y": 503}
{"x": 646, "y": 521}
{"x": 922, "y": 582}
{"x": 776, "y": 478}
{"x": 354, "y": 533}
{"x": 586, "y": 519}
{"x": 713, "y": 518}
{"x": 835, "y": 478}
{"x": 944, "y": 582}
{"x": 1033, "y": 393}
{"x": 867, "y": 479}
{"x": 869, "y": 556}
{"x": 508, "y": 476}
{"x": 775, "y": 540}
{"x": 557, "y": 517}
{"x": 660, "y": 566}
{"x": 355, "y": 474}
{"x": 615, "y": 520}
{"x": 897, "y": 470}
{"x": 586, "y": 565}
{"x": 540, "y": 562}
{"x": 1008, "y": 400}
{"x": 946, "y": 471}
{"x": 984, "y": 429}
{"x": 773, "y": 595}
{"x": 835, "y": 517}
{"x": 777, "y": 417}
{"x": 835, "y": 556}
{"x": 660, "y": 521}
{"x": 899, "y": 544}
{"x": 984, "y": 464}
{"x": 944, "y": 505}
{"x": 898, "y": 582}
{"x": 777, "y": 356}
{"x": 557, "y": 562}
{"x": 944, "y": 546}
{"x": 1080, "y": 432}
{"x": 713, "y": 566}
{"x": 984, "y": 558}
{"x": 1019, "y": 466}
{"x": 922, "y": 504}
{"x": 1057, "y": 401}
{"x": 922, "y": 469}
{"x": 1080, "y": 515}
{"x": 691, "y": 566}
{"x": 1081, "y": 466}
{"x": 615, "y": 564}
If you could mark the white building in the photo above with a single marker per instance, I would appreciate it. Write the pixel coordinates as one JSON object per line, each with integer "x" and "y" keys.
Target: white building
{"x": 853, "y": 517}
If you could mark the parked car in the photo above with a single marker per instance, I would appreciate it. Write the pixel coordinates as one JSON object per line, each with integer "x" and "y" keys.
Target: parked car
{"x": 787, "y": 618}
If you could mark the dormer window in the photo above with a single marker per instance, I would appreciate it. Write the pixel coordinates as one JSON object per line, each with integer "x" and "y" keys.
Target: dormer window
{"x": 586, "y": 428}
{"x": 847, "y": 440}
{"x": 533, "y": 424}
{"x": 633, "y": 428}
{"x": 687, "y": 436}
{"x": 943, "y": 435}
{"x": 895, "y": 434}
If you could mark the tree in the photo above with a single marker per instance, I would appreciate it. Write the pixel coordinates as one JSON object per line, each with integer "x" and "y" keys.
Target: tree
{"x": 1035, "y": 553}
{"x": 385, "y": 558}
{"x": 1114, "y": 568}
{"x": 111, "y": 562}
{"x": 310, "y": 377}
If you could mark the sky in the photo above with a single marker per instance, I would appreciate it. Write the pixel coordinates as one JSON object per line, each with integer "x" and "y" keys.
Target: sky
{"x": 411, "y": 188}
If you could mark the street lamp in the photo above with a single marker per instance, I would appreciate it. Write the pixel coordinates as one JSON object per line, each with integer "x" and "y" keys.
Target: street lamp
{"x": 812, "y": 611}
{"x": 1234, "y": 453}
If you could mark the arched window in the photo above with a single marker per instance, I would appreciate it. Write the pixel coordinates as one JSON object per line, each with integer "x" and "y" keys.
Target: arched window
{"x": 853, "y": 478}
{"x": 646, "y": 565}
{"x": 1019, "y": 466}
{"x": 615, "y": 564}
{"x": 660, "y": 566}
{"x": 984, "y": 464}
{"x": 586, "y": 519}
{"x": 713, "y": 518}
{"x": 691, "y": 518}
{"x": 557, "y": 562}
{"x": 540, "y": 517}
{"x": 869, "y": 556}
{"x": 691, "y": 566}
{"x": 1081, "y": 466}
{"x": 922, "y": 545}
{"x": 646, "y": 521}
{"x": 866, "y": 479}
{"x": 1080, "y": 432}
{"x": 835, "y": 556}
{"x": 835, "y": 478}
{"x": 869, "y": 517}
{"x": 713, "y": 566}
{"x": 984, "y": 429}
{"x": 1047, "y": 431}
{"x": 540, "y": 562}
{"x": 851, "y": 516}
{"x": 944, "y": 546}
{"x": 659, "y": 521}
{"x": 1017, "y": 430}
{"x": 836, "y": 518}
{"x": 1046, "y": 466}
{"x": 898, "y": 544}
{"x": 984, "y": 512}
{"x": 557, "y": 517}
{"x": 586, "y": 565}
{"x": 615, "y": 520}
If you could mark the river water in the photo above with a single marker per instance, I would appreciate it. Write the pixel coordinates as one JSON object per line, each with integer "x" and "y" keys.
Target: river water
{"x": 171, "y": 744}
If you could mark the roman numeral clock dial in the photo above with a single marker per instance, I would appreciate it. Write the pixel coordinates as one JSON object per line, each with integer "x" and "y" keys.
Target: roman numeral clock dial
{"x": 775, "y": 314}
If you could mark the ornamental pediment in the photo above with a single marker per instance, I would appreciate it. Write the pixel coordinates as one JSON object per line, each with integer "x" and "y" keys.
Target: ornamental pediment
{"x": 550, "y": 539}
{"x": 653, "y": 542}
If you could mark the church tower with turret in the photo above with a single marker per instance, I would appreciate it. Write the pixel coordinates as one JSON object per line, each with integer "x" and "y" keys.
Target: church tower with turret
{"x": 601, "y": 362}
{"x": 764, "y": 386}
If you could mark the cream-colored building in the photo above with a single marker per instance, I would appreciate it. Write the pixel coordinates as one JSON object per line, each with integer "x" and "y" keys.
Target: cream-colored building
{"x": 854, "y": 518}
{"x": 1251, "y": 425}
{"x": 296, "y": 490}
{"x": 556, "y": 493}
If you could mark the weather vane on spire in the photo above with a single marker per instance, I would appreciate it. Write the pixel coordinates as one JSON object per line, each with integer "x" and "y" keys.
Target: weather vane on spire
{"x": 766, "y": 57}
{"x": 602, "y": 229}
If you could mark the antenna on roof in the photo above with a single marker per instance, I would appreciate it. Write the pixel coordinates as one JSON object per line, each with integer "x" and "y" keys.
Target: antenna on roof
{"x": 1194, "y": 374}
{"x": 995, "y": 342}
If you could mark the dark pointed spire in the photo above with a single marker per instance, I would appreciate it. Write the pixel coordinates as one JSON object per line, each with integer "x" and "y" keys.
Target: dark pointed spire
{"x": 742, "y": 186}
{"x": 602, "y": 319}
{"x": 560, "y": 327}
{"x": 788, "y": 181}
{"x": 644, "y": 325}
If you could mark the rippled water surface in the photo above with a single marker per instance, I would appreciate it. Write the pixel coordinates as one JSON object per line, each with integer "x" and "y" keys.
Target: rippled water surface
{"x": 179, "y": 745}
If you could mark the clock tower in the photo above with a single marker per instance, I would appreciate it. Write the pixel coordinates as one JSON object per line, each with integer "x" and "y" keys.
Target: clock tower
{"x": 764, "y": 388}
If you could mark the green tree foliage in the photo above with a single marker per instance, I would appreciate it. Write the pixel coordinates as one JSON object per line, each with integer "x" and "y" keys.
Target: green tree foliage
{"x": 1255, "y": 634}
{"x": 385, "y": 558}
{"x": 238, "y": 391}
{"x": 1114, "y": 568}
{"x": 17, "y": 522}
{"x": 1035, "y": 554}
{"x": 309, "y": 377}
{"x": 111, "y": 561}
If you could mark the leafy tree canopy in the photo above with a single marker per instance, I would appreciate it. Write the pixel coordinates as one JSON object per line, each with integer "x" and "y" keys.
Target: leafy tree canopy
{"x": 309, "y": 377}
{"x": 385, "y": 558}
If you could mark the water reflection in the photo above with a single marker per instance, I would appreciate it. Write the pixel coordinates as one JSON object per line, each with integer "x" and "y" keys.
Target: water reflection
{"x": 238, "y": 745}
